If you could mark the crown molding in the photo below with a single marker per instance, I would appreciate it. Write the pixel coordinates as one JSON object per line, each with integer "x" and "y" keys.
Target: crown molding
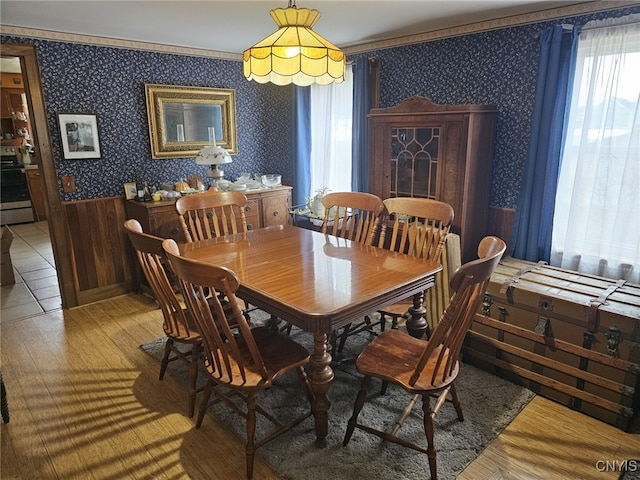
{"x": 116, "y": 43}
{"x": 495, "y": 24}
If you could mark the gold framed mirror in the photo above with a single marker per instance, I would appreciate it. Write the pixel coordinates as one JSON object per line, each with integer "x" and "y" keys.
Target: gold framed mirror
{"x": 180, "y": 119}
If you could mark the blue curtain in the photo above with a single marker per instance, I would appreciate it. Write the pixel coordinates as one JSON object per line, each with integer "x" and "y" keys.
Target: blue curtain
{"x": 361, "y": 107}
{"x": 302, "y": 144}
{"x": 531, "y": 237}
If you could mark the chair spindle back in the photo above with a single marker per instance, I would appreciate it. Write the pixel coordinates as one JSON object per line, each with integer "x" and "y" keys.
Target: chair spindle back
{"x": 152, "y": 261}
{"x": 352, "y": 215}
{"x": 231, "y": 352}
{"x": 212, "y": 214}
{"x": 419, "y": 226}
{"x": 468, "y": 284}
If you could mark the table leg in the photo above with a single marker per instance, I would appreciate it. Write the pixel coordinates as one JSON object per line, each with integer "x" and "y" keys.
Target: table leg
{"x": 320, "y": 377}
{"x": 417, "y": 325}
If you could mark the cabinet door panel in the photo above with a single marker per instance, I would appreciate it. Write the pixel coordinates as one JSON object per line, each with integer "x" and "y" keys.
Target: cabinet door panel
{"x": 275, "y": 209}
{"x": 414, "y": 157}
{"x": 167, "y": 225}
{"x": 158, "y": 218}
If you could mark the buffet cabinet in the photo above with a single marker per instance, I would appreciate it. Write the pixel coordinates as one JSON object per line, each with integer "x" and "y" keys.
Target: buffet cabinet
{"x": 265, "y": 208}
{"x": 442, "y": 152}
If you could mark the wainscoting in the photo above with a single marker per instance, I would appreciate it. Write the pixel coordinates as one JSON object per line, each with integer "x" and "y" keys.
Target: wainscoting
{"x": 500, "y": 223}
{"x": 102, "y": 258}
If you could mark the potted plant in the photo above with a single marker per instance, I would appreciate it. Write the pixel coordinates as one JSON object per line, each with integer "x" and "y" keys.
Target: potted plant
{"x": 25, "y": 153}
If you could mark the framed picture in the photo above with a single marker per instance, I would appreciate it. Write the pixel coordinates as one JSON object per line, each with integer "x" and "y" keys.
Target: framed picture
{"x": 182, "y": 119}
{"x": 79, "y": 134}
{"x": 130, "y": 190}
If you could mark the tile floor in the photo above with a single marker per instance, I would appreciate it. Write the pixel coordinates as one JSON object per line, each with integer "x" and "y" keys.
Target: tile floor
{"x": 36, "y": 289}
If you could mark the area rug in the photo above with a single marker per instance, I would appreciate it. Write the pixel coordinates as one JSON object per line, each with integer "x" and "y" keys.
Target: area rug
{"x": 489, "y": 404}
{"x": 631, "y": 470}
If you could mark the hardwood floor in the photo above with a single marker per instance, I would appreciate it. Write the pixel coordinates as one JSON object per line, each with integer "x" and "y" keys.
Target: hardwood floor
{"x": 86, "y": 403}
{"x": 549, "y": 441}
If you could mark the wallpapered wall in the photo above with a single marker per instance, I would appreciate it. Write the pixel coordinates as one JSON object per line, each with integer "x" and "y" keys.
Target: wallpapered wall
{"x": 497, "y": 67}
{"x": 110, "y": 83}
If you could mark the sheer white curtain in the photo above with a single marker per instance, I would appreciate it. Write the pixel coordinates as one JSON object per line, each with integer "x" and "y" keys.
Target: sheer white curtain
{"x": 596, "y": 227}
{"x": 331, "y": 119}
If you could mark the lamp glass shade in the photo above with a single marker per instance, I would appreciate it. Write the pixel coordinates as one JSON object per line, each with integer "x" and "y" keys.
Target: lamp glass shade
{"x": 212, "y": 155}
{"x": 294, "y": 53}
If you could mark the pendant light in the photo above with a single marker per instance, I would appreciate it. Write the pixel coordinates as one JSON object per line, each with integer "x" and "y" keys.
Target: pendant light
{"x": 295, "y": 53}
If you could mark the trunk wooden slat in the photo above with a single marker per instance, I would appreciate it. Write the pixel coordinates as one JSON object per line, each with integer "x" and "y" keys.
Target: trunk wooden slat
{"x": 570, "y": 337}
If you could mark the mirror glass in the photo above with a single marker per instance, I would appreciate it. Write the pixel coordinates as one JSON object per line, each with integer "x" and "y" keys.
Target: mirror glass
{"x": 181, "y": 119}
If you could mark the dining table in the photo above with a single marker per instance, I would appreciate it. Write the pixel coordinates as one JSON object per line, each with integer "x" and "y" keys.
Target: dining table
{"x": 319, "y": 283}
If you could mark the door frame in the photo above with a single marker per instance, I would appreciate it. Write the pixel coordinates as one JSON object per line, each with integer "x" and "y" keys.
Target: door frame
{"x": 56, "y": 219}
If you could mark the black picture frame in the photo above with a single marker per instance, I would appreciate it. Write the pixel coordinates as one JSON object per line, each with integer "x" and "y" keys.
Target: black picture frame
{"x": 80, "y": 136}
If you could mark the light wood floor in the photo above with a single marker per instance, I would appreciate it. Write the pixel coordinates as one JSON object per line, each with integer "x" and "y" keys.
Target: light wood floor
{"x": 86, "y": 403}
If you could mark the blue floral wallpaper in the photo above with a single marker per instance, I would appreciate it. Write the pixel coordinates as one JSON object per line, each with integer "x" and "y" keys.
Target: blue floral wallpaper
{"x": 110, "y": 82}
{"x": 496, "y": 67}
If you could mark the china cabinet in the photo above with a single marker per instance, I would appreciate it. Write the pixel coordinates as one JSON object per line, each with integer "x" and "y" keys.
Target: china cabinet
{"x": 443, "y": 152}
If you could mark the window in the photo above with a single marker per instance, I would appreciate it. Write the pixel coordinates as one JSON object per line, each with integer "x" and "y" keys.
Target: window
{"x": 596, "y": 226}
{"x": 331, "y": 132}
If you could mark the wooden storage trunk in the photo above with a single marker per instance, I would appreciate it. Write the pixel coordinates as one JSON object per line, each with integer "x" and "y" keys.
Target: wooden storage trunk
{"x": 570, "y": 337}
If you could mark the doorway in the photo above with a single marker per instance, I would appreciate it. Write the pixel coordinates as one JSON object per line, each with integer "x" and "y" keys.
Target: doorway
{"x": 41, "y": 143}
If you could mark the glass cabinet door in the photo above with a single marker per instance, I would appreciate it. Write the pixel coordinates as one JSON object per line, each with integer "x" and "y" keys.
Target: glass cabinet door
{"x": 414, "y": 161}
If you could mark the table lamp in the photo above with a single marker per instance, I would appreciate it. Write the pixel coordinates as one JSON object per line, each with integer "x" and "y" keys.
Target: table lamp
{"x": 213, "y": 155}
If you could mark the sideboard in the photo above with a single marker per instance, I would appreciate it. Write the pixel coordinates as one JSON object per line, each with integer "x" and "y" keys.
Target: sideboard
{"x": 265, "y": 207}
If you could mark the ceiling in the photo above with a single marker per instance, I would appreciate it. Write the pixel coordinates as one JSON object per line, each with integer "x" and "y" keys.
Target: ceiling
{"x": 233, "y": 26}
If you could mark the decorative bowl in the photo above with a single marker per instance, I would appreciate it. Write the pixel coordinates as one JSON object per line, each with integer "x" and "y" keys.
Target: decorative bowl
{"x": 271, "y": 180}
{"x": 224, "y": 184}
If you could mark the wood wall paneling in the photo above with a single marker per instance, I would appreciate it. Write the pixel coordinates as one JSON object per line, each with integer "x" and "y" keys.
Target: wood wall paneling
{"x": 101, "y": 254}
{"x": 500, "y": 223}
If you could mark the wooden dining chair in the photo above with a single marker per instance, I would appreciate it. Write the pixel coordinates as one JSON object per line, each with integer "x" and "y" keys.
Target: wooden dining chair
{"x": 178, "y": 324}
{"x": 352, "y": 215}
{"x": 425, "y": 368}
{"x": 212, "y": 214}
{"x": 417, "y": 227}
{"x": 414, "y": 226}
{"x": 246, "y": 360}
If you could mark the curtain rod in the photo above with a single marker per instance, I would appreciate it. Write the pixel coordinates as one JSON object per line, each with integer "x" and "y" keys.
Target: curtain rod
{"x": 566, "y": 27}
{"x": 598, "y": 27}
